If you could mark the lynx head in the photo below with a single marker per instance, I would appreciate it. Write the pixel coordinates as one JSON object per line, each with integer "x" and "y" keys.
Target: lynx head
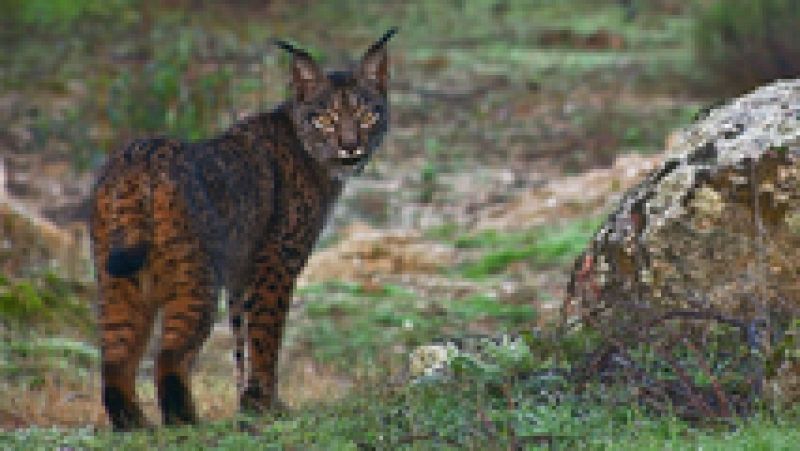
{"x": 341, "y": 116}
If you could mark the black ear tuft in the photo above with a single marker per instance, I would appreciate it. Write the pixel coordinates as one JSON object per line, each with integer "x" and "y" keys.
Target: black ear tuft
{"x": 295, "y": 51}
{"x": 382, "y": 41}
{"x": 375, "y": 62}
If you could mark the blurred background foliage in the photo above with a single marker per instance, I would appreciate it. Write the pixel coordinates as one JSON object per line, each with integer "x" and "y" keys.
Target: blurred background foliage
{"x": 150, "y": 68}
{"x": 746, "y": 43}
{"x": 59, "y": 16}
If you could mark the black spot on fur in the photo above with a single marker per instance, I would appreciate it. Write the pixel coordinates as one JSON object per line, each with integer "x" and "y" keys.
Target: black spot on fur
{"x": 249, "y": 302}
{"x": 125, "y": 262}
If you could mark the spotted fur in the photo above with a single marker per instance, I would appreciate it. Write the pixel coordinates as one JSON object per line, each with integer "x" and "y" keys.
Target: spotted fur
{"x": 173, "y": 223}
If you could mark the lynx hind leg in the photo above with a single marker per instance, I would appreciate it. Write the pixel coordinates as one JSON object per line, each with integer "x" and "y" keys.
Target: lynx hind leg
{"x": 188, "y": 317}
{"x": 126, "y": 314}
{"x": 125, "y": 329}
{"x": 184, "y": 287}
{"x": 187, "y": 323}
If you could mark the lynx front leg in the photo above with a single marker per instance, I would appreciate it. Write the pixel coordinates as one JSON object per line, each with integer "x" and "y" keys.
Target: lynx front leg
{"x": 266, "y": 314}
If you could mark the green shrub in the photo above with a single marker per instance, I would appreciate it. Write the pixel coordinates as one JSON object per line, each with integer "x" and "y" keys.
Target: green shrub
{"x": 746, "y": 43}
{"x": 40, "y": 300}
{"x": 541, "y": 246}
{"x": 169, "y": 94}
{"x": 58, "y": 15}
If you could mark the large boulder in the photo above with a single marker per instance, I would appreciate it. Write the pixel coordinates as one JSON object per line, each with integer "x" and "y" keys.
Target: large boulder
{"x": 714, "y": 228}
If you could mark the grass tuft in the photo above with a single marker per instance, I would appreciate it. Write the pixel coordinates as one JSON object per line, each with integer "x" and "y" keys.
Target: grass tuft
{"x": 540, "y": 247}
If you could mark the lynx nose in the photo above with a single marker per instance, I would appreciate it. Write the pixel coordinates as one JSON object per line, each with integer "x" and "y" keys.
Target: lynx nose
{"x": 351, "y": 153}
{"x": 349, "y": 146}
{"x": 350, "y": 150}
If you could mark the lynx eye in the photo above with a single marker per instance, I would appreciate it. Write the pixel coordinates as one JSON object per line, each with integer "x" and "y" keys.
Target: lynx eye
{"x": 369, "y": 118}
{"x": 322, "y": 122}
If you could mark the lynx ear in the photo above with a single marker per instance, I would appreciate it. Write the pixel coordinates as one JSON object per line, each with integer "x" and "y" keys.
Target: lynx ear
{"x": 375, "y": 62}
{"x": 307, "y": 77}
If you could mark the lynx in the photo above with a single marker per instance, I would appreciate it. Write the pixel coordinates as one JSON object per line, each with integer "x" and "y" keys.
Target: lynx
{"x": 173, "y": 223}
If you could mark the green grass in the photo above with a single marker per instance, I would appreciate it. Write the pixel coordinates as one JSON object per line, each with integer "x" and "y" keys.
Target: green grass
{"x": 352, "y": 329}
{"x": 44, "y": 298}
{"x": 487, "y": 407}
{"x": 540, "y": 247}
{"x": 30, "y": 360}
{"x": 435, "y": 416}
